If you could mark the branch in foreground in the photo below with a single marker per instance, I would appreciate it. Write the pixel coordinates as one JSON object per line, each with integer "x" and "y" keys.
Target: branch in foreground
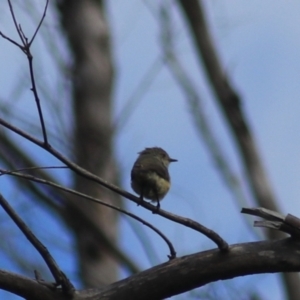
{"x": 223, "y": 246}
{"x": 27, "y": 288}
{"x": 196, "y": 270}
{"x": 60, "y": 277}
{"x": 187, "y": 273}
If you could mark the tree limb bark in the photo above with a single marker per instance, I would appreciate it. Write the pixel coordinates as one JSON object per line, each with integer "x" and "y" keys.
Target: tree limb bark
{"x": 181, "y": 274}
{"x": 188, "y": 272}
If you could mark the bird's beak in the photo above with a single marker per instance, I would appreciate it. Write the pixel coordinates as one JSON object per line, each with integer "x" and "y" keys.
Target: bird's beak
{"x": 172, "y": 160}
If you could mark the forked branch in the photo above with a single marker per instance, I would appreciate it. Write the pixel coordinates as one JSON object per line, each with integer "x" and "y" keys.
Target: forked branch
{"x": 25, "y": 47}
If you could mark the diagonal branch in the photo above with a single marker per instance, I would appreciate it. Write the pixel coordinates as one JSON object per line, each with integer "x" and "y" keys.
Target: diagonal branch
{"x": 60, "y": 277}
{"x": 40, "y": 23}
{"x": 199, "y": 269}
{"x": 71, "y": 191}
{"x": 11, "y": 154}
{"x": 194, "y": 102}
{"x": 230, "y": 103}
{"x": 223, "y": 246}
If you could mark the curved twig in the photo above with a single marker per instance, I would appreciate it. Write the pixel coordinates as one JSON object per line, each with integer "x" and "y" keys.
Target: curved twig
{"x": 12, "y": 152}
{"x": 47, "y": 182}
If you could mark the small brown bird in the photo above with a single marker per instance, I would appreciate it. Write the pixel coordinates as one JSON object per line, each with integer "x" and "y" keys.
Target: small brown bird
{"x": 150, "y": 176}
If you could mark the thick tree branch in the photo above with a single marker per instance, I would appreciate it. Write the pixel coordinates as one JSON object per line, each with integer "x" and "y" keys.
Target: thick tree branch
{"x": 196, "y": 270}
{"x": 187, "y": 272}
{"x": 28, "y": 288}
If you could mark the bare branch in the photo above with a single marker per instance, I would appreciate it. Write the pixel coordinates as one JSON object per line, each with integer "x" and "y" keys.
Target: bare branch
{"x": 15, "y": 21}
{"x": 60, "y": 277}
{"x": 40, "y": 23}
{"x": 263, "y": 213}
{"x": 12, "y": 152}
{"x": 27, "y": 288}
{"x": 199, "y": 269}
{"x": 80, "y": 171}
{"x": 229, "y": 101}
{"x": 273, "y": 220}
{"x": 194, "y": 102}
{"x": 39, "y": 168}
{"x": 10, "y": 40}
{"x": 188, "y": 272}
{"x": 26, "y": 49}
{"x": 71, "y": 191}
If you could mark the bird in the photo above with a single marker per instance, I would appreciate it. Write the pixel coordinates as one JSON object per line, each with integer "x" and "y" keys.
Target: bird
{"x": 150, "y": 176}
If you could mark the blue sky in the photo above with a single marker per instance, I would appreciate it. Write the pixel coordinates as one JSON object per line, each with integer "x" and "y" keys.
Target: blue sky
{"x": 258, "y": 42}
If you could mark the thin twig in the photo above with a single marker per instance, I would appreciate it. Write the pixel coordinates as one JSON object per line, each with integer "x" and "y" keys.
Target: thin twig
{"x": 36, "y": 96}
{"x": 68, "y": 190}
{"x": 15, "y": 21}
{"x": 82, "y": 172}
{"x": 60, "y": 277}
{"x": 26, "y": 50}
{"x": 40, "y": 23}
{"x": 10, "y": 40}
{"x": 39, "y": 168}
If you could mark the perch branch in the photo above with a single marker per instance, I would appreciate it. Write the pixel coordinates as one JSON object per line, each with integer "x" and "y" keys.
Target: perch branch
{"x": 71, "y": 191}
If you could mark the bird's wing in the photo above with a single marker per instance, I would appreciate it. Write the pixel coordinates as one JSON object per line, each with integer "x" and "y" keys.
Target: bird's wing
{"x": 145, "y": 167}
